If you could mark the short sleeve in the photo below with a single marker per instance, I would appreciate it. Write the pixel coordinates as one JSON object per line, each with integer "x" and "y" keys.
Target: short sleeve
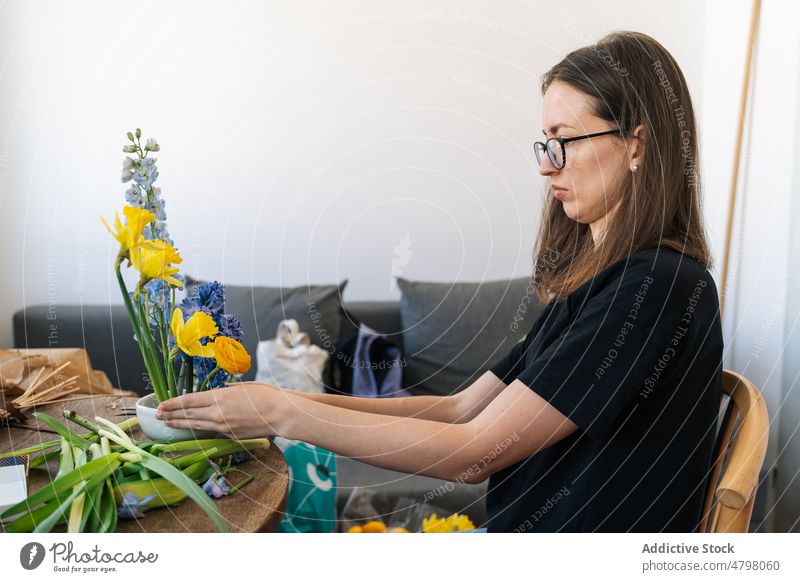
{"x": 594, "y": 369}
{"x": 512, "y": 365}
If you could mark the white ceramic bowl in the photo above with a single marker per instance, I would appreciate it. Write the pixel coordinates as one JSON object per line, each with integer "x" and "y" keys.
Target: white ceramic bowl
{"x": 156, "y": 429}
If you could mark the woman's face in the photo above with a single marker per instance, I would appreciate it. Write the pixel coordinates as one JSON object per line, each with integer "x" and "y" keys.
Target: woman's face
{"x": 595, "y": 168}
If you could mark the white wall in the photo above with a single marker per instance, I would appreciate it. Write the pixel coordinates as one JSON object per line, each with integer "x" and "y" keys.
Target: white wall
{"x": 301, "y": 141}
{"x": 763, "y": 254}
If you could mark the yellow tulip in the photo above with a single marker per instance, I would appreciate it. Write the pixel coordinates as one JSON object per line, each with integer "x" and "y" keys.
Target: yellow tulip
{"x": 231, "y": 355}
{"x": 459, "y": 522}
{"x": 188, "y": 334}
{"x": 154, "y": 260}
{"x": 434, "y": 524}
{"x": 456, "y": 522}
{"x": 130, "y": 234}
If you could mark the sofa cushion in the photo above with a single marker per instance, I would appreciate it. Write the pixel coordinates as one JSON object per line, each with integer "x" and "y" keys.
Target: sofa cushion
{"x": 104, "y": 331}
{"x": 453, "y": 332}
{"x": 315, "y": 307}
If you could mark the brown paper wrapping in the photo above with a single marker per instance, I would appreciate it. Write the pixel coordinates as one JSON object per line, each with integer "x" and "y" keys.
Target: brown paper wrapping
{"x": 19, "y": 368}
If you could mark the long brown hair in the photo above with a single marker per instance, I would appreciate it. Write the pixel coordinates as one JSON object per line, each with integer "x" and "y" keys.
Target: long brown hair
{"x": 632, "y": 81}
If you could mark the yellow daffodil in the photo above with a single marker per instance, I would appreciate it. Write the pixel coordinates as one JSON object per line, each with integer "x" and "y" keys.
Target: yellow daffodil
{"x": 231, "y": 355}
{"x": 129, "y": 234}
{"x": 189, "y": 333}
{"x": 154, "y": 260}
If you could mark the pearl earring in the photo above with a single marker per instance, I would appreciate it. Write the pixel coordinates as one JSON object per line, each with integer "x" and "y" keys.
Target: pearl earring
{"x": 634, "y": 168}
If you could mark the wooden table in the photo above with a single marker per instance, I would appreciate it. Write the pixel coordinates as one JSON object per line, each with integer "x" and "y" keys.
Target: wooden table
{"x": 257, "y": 507}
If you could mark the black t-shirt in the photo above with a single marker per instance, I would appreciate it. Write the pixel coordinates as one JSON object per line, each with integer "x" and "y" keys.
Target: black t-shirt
{"x": 634, "y": 358}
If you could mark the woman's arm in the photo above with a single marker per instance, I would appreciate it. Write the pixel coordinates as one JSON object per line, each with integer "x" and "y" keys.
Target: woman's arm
{"x": 456, "y": 408}
{"x": 514, "y": 425}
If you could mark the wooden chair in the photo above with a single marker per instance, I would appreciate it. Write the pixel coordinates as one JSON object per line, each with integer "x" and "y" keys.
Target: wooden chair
{"x": 731, "y": 496}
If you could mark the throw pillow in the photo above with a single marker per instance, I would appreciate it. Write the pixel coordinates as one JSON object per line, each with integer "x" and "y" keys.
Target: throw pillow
{"x": 453, "y": 332}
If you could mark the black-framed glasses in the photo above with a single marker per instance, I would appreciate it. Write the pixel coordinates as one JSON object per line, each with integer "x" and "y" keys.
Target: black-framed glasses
{"x": 556, "y": 151}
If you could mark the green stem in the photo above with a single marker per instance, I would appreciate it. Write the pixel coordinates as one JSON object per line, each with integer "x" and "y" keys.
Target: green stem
{"x": 185, "y": 380}
{"x": 168, "y": 367}
{"x": 241, "y": 483}
{"x": 137, "y": 328}
{"x": 159, "y": 382}
{"x": 206, "y": 380}
{"x": 80, "y": 421}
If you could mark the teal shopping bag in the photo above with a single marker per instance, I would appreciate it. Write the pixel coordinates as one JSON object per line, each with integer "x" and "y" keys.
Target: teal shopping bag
{"x": 311, "y": 505}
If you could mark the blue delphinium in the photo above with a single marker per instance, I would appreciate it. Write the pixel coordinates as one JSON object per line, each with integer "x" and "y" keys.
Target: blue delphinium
{"x": 146, "y": 173}
{"x": 141, "y": 172}
{"x": 159, "y": 300}
{"x": 216, "y": 485}
{"x": 241, "y": 456}
{"x": 132, "y": 507}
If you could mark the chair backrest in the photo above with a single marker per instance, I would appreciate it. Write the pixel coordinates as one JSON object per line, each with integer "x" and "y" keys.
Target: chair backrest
{"x": 729, "y": 497}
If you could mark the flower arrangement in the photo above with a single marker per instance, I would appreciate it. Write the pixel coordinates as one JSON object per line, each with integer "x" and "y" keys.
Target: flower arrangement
{"x": 188, "y": 347}
{"x": 105, "y": 474}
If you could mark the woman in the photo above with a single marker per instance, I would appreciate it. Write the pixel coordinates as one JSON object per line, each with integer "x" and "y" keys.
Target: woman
{"x": 604, "y": 416}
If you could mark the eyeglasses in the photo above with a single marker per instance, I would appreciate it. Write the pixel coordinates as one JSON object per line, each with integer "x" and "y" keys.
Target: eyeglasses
{"x": 556, "y": 151}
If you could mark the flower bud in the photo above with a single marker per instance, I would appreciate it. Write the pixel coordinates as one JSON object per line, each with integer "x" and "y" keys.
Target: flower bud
{"x": 129, "y": 149}
{"x": 138, "y": 133}
{"x": 130, "y": 136}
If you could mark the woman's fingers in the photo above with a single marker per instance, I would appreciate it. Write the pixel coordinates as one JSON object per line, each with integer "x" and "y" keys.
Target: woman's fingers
{"x": 208, "y": 413}
{"x": 194, "y": 424}
{"x": 197, "y": 400}
{"x": 194, "y": 400}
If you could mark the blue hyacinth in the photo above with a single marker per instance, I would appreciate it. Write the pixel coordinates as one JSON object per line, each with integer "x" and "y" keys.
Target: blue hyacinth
{"x": 210, "y": 298}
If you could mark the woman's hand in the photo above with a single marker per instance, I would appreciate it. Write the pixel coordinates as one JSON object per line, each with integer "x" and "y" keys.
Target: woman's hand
{"x": 244, "y": 410}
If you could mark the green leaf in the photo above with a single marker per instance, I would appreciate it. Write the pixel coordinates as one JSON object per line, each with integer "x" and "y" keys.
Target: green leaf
{"x": 95, "y": 471}
{"x": 74, "y": 439}
{"x": 67, "y": 461}
{"x": 192, "y": 458}
{"x": 33, "y": 449}
{"x": 108, "y": 512}
{"x": 47, "y": 524}
{"x": 177, "y": 478}
{"x": 185, "y": 484}
{"x": 91, "y": 509}
{"x": 25, "y": 523}
{"x": 43, "y": 458}
{"x": 164, "y": 491}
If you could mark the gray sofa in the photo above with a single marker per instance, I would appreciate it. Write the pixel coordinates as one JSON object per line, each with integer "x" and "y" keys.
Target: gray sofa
{"x": 106, "y": 334}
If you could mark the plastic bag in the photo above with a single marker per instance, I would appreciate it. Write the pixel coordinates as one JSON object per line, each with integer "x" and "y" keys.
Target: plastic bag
{"x": 291, "y": 360}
